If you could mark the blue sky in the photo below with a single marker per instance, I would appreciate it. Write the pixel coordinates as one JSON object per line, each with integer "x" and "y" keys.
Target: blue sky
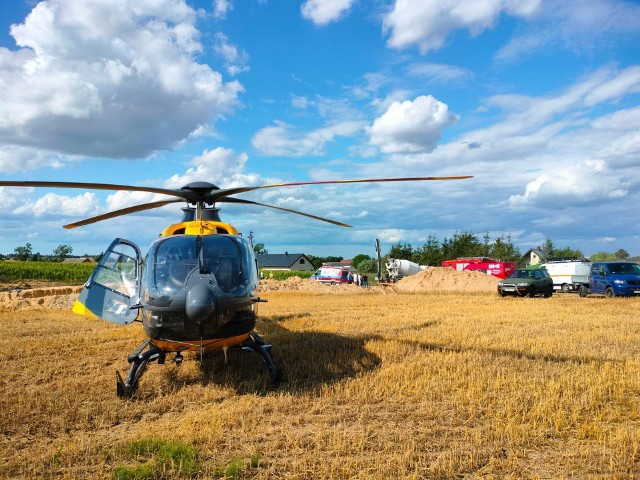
{"x": 539, "y": 100}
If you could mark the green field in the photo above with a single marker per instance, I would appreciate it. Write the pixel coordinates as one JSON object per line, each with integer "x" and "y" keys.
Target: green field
{"x": 78, "y": 273}
{"x": 69, "y": 273}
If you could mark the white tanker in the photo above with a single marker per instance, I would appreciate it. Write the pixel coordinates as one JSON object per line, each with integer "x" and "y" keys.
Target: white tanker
{"x": 396, "y": 268}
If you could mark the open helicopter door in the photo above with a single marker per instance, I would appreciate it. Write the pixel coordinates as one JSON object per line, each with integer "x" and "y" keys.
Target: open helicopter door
{"x": 112, "y": 291}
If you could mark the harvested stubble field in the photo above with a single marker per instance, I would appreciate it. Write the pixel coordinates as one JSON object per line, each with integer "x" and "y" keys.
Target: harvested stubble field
{"x": 380, "y": 383}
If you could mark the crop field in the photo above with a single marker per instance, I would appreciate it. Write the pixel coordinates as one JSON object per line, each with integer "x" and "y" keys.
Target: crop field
{"x": 68, "y": 273}
{"x": 377, "y": 385}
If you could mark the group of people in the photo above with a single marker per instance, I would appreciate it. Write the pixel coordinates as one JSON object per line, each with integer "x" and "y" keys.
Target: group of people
{"x": 359, "y": 279}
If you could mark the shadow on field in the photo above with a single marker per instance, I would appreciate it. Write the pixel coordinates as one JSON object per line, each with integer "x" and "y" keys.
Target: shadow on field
{"x": 516, "y": 354}
{"x": 311, "y": 359}
{"x": 307, "y": 361}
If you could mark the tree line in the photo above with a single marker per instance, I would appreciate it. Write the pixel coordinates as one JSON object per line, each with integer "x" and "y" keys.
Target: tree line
{"x": 466, "y": 244}
{"x": 26, "y": 253}
{"x": 432, "y": 252}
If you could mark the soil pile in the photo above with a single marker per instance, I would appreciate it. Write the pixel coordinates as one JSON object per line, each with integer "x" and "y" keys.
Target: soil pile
{"x": 44, "y": 298}
{"x": 14, "y": 297}
{"x": 445, "y": 279}
{"x": 308, "y": 285}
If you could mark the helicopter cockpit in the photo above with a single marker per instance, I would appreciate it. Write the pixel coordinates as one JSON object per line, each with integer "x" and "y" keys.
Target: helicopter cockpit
{"x": 172, "y": 260}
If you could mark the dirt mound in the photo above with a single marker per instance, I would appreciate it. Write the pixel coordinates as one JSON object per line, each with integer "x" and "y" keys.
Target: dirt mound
{"x": 64, "y": 297}
{"x": 308, "y": 285}
{"x": 445, "y": 279}
{"x": 46, "y": 297}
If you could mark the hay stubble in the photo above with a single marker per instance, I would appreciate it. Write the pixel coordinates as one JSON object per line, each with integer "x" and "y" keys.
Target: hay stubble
{"x": 377, "y": 385}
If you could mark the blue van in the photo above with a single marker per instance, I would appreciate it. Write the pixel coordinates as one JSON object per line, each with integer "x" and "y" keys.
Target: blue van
{"x": 613, "y": 278}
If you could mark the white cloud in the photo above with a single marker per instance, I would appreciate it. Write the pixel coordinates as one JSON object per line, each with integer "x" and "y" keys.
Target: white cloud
{"x": 123, "y": 199}
{"x": 90, "y": 73}
{"x": 624, "y": 150}
{"x": 583, "y": 182}
{"x": 284, "y": 139}
{"x": 524, "y": 114}
{"x": 301, "y": 102}
{"x": 220, "y": 166}
{"x": 392, "y": 235}
{"x": 221, "y": 8}
{"x": 440, "y": 73}
{"x": 14, "y": 158}
{"x": 627, "y": 81}
{"x": 411, "y": 126}
{"x": 53, "y": 204}
{"x": 236, "y": 59}
{"x": 625, "y": 119}
{"x": 579, "y": 26}
{"x": 428, "y": 23}
{"x": 322, "y": 12}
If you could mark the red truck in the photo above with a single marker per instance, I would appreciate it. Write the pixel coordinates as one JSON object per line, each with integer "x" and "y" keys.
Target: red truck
{"x": 490, "y": 266}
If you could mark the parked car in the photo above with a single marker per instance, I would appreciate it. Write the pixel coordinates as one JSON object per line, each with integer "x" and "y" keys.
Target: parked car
{"x": 527, "y": 281}
{"x": 612, "y": 279}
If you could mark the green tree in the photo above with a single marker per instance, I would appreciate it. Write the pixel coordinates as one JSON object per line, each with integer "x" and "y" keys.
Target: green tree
{"x": 461, "y": 245}
{"x": 549, "y": 248}
{"x": 368, "y": 265}
{"x": 317, "y": 262}
{"x": 23, "y": 252}
{"x": 567, "y": 253}
{"x": 504, "y": 249}
{"x": 486, "y": 245}
{"x": 259, "y": 249}
{"x": 355, "y": 262}
{"x": 430, "y": 253}
{"x": 402, "y": 251}
{"x": 62, "y": 251}
{"x": 622, "y": 254}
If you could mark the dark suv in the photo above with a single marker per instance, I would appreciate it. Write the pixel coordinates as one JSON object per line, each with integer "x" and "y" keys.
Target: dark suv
{"x": 527, "y": 281}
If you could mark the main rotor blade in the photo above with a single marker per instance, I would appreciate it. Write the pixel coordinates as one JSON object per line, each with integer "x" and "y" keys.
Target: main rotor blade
{"x": 232, "y": 191}
{"x": 90, "y": 186}
{"x": 123, "y": 211}
{"x": 249, "y": 202}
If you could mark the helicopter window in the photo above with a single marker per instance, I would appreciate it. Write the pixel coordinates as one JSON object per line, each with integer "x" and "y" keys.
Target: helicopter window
{"x": 118, "y": 271}
{"x": 229, "y": 259}
{"x": 172, "y": 260}
{"x": 221, "y": 256}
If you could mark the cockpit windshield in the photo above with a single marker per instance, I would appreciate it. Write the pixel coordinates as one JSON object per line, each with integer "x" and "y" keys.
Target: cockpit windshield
{"x": 229, "y": 258}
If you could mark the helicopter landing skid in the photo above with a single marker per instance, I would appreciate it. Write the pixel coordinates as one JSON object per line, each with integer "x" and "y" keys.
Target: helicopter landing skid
{"x": 139, "y": 361}
{"x": 256, "y": 343}
{"x": 140, "y": 358}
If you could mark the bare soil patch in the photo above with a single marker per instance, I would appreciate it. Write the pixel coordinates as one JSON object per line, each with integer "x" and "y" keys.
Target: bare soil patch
{"x": 43, "y": 297}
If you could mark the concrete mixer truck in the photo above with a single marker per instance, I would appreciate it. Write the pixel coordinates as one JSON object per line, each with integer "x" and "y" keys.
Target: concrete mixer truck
{"x": 397, "y": 268}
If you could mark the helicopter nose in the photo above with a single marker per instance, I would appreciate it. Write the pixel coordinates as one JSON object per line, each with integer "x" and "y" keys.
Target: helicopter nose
{"x": 201, "y": 302}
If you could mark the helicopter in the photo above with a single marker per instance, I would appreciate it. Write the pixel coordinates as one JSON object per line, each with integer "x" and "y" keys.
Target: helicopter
{"x": 196, "y": 287}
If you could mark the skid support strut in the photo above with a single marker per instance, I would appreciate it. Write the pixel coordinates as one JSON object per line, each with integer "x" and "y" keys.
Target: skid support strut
{"x": 256, "y": 344}
{"x": 139, "y": 360}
